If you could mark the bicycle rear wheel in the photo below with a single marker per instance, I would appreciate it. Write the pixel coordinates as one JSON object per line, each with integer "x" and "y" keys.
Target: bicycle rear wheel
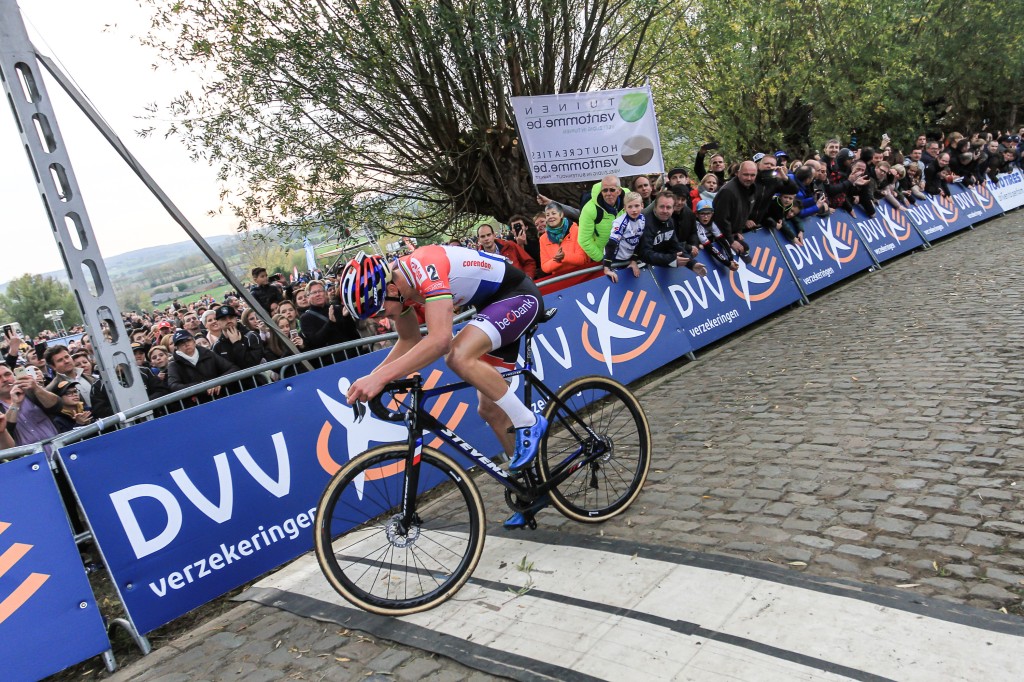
{"x": 608, "y": 485}
{"x": 362, "y": 549}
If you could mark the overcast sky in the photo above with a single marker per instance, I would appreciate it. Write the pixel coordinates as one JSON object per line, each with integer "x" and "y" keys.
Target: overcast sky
{"x": 96, "y": 43}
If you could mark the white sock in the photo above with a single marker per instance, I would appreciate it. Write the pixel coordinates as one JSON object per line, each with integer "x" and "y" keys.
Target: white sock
{"x": 521, "y": 415}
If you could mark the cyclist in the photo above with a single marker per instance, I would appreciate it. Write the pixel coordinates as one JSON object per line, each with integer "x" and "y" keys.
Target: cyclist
{"x": 441, "y": 278}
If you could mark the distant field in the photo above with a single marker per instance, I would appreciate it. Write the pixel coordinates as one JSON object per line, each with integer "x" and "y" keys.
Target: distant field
{"x": 217, "y": 293}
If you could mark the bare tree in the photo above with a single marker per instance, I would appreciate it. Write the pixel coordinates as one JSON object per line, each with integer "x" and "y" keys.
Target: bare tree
{"x": 343, "y": 108}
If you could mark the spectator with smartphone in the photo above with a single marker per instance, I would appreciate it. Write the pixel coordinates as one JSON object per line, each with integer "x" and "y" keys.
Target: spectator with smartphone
{"x": 27, "y": 406}
{"x": 716, "y": 164}
{"x": 510, "y": 250}
{"x": 526, "y": 235}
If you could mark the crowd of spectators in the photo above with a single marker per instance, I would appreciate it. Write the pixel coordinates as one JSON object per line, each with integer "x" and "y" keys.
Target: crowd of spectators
{"x": 51, "y": 386}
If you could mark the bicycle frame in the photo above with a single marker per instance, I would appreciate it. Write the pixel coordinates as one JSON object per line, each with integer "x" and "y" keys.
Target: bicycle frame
{"x": 419, "y": 420}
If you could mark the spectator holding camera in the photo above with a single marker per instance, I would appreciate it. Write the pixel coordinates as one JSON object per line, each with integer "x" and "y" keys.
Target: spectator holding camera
{"x": 716, "y": 164}
{"x": 324, "y": 324}
{"x": 27, "y": 406}
{"x": 511, "y": 251}
{"x": 527, "y": 236}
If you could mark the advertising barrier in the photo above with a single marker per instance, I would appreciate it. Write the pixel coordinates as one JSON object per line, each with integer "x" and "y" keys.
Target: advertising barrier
{"x": 189, "y": 506}
{"x": 889, "y": 234}
{"x": 831, "y": 252}
{"x": 1009, "y": 191}
{"x": 724, "y": 301}
{"x": 48, "y": 615}
{"x": 976, "y": 203}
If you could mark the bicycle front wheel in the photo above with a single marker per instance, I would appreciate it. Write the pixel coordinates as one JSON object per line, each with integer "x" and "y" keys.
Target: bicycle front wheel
{"x": 607, "y": 485}
{"x": 367, "y": 555}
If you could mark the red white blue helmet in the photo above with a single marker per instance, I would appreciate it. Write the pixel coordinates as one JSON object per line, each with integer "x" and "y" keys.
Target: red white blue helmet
{"x": 363, "y": 285}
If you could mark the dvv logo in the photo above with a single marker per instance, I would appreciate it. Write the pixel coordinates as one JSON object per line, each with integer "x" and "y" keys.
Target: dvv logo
{"x": 635, "y": 312}
{"x": 946, "y": 209}
{"x": 759, "y": 279}
{"x": 896, "y": 222}
{"x": 10, "y": 603}
{"x": 983, "y": 195}
{"x": 839, "y": 241}
{"x": 359, "y": 434}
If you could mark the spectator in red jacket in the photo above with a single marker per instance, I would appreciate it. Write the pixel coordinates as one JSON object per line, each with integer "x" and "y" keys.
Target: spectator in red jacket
{"x": 488, "y": 242}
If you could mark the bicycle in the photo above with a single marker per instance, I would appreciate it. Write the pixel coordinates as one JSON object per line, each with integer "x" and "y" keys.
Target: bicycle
{"x": 400, "y": 528}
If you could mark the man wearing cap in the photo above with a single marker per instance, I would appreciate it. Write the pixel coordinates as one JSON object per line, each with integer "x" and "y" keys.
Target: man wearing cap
{"x": 244, "y": 350}
{"x": 192, "y": 364}
{"x": 73, "y": 413}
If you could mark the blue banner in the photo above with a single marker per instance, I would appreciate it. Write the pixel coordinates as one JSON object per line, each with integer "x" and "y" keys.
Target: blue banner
{"x": 831, "y": 252}
{"x": 189, "y": 506}
{"x": 890, "y": 233}
{"x": 976, "y": 203}
{"x": 948, "y": 218}
{"x": 48, "y": 615}
{"x": 725, "y": 301}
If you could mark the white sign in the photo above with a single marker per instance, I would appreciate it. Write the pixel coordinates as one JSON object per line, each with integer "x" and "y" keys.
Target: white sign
{"x": 1009, "y": 191}
{"x": 584, "y": 136}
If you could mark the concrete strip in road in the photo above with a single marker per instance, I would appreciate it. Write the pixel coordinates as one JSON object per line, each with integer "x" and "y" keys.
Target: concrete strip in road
{"x": 615, "y": 610}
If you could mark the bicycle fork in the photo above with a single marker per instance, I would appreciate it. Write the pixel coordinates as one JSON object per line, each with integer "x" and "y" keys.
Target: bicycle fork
{"x": 414, "y": 451}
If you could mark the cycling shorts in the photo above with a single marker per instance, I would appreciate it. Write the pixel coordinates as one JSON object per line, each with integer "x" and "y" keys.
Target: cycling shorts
{"x": 506, "y": 317}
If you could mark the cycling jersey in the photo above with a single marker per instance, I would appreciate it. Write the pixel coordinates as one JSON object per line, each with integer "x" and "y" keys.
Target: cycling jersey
{"x": 467, "y": 277}
{"x": 507, "y": 301}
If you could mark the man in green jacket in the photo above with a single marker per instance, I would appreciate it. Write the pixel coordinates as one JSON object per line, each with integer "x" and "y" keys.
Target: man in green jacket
{"x": 597, "y": 216}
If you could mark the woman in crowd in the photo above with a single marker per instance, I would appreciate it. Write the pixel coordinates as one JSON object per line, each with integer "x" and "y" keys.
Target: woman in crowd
{"x": 560, "y": 250}
{"x": 914, "y": 182}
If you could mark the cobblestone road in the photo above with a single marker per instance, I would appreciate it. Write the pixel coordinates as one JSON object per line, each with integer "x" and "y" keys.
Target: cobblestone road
{"x": 874, "y": 435}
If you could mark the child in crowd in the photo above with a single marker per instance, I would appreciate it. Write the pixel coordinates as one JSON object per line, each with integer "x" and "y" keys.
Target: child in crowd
{"x": 707, "y": 189}
{"x": 784, "y": 213}
{"x": 711, "y": 238}
{"x": 620, "y": 251}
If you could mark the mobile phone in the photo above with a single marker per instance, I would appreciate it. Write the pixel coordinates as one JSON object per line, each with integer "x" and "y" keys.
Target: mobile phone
{"x": 8, "y": 330}
{"x": 41, "y": 349}
{"x": 20, "y": 372}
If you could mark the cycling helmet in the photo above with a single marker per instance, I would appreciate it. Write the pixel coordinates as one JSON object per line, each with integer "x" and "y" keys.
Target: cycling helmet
{"x": 705, "y": 205}
{"x": 363, "y": 285}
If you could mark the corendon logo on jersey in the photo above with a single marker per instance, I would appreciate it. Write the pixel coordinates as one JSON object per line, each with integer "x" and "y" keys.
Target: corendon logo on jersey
{"x": 837, "y": 236}
{"x": 359, "y": 434}
{"x": 896, "y": 222}
{"x": 27, "y": 587}
{"x": 946, "y": 208}
{"x": 639, "y": 311}
{"x": 759, "y": 279}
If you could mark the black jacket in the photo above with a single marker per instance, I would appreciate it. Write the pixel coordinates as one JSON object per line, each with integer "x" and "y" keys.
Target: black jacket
{"x": 319, "y": 332}
{"x": 658, "y": 245}
{"x": 732, "y": 207}
{"x": 182, "y": 374}
{"x": 686, "y": 229}
{"x": 266, "y": 294}
{"x": 245, "y": 353}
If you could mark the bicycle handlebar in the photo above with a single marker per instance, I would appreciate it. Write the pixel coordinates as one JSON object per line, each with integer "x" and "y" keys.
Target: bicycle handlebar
{"x": 397, "y": 386}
